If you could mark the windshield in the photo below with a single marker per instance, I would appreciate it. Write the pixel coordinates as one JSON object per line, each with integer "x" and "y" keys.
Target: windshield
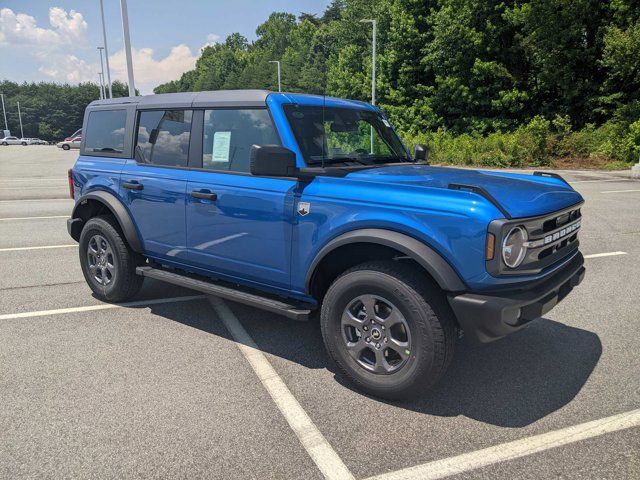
{"x": 343, "y": 135}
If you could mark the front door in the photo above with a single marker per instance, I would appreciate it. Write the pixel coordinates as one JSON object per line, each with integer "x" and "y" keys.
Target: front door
{"x": 239, "y": 225}
{"x": 154, "y": 185}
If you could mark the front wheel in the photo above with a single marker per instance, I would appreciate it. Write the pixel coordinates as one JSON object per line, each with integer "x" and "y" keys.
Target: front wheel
{"x": 108, "y": 264}
{"x": 388, "y": 328}
{"x": 24, "y": 144}
{"x": 5, "y": 144}
{"x": 66, "y": 147}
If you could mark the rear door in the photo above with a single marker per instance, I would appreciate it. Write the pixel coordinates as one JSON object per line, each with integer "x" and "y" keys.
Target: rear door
{"x": 238, "y": 225}
{"x": 153, "y": 184}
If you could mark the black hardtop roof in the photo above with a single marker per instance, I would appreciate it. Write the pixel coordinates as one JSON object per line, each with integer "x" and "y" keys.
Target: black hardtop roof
{"x": 218, "y": 98}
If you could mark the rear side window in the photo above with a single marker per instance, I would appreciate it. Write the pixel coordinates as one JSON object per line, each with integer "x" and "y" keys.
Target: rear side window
{"x": 229, "y": 134}
{"x": 163, "y": 137}
{"x": 105, "y": 131}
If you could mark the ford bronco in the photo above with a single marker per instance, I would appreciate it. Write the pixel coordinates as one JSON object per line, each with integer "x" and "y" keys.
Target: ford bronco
{"x": 299, "y": 204}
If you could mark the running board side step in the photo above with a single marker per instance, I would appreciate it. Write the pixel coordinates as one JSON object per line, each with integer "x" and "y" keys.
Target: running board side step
{"x": 235, "y": 295}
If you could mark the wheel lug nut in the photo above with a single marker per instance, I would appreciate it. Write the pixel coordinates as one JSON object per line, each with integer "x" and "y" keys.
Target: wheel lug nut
{"x": 367, "y": 339}
{"x": 377, "y": 345}
{"x": 365, "y": 328}
{"x": 382, "y": 327}
{"x": 386, "y": 340}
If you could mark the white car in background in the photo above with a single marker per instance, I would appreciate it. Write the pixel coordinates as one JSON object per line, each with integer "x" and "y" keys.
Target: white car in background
{"x": 10, "y": 141}
{"x": 68, "y": 145}
{"x": 34, "y": 141}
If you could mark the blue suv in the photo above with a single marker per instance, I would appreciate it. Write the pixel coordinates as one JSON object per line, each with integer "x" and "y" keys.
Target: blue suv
{"x": 299, "y": 204}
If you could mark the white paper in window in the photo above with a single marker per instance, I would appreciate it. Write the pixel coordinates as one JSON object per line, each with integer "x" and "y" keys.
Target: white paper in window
{"x": 221, "y": 146}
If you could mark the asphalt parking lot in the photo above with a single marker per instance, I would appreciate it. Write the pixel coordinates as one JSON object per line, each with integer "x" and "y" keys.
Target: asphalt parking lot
{"x": 179, "y": 385}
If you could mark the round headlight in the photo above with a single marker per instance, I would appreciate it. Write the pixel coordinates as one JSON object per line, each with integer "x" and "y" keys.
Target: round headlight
{"x": 513, "y": 249}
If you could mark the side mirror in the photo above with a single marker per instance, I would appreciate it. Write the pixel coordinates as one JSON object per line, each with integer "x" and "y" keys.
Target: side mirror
{"x": 272, "y": 161}
{"x": 421, "y": 153}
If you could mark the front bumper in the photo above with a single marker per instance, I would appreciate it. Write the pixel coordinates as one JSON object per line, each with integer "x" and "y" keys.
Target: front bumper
{"x": 487, "y": 317}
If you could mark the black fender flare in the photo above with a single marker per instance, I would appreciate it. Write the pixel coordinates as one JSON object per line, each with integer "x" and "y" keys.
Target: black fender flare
{"x": 444, "y": 275}
{"x": 117, "y": 209}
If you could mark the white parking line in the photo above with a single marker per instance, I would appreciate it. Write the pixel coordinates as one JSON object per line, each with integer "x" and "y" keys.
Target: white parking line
{"x": 320, "y": 451}
{"x": 58, "y": 199}
{"x": 606, "y": 254}
{"x": 516, "y": 449}
{"x": 32, "y": 218}
{"x": 44, "y": 247}
{"x": 50, "y": 187}
{"x": 607, "y": 180}
{"x": 619, "y": 191}
{"x": 102, "y": 306}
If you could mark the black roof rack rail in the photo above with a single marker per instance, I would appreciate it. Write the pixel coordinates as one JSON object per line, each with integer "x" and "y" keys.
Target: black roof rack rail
{"x": 538, "y": 173}
{"x": 484, "y": 193}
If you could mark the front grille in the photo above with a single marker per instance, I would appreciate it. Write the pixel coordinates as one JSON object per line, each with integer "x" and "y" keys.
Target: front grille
{"x": 552, "y": 238}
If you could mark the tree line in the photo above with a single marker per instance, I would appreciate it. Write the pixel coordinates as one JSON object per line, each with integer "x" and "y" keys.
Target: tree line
{"x": 50, "y": 111}
{"x": 504, "y": 83}
{"x": 458, "y": 68}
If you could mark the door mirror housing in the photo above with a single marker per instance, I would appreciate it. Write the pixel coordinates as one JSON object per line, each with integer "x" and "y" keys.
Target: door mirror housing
{"x": 273, "y": 161}
{"x": 421, "y": 153}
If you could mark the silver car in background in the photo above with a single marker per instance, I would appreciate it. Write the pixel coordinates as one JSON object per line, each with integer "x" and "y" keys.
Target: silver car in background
{"x": 10, "y": 141}
{"x": 68, "y": 145}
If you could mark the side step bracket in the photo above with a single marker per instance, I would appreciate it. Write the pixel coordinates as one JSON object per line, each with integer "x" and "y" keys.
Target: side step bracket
{"x": 228, "y": 293}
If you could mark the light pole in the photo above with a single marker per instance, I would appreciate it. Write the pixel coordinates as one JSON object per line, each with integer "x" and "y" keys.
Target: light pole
{"x": 101, "y": 85}
{"x": 127, "y": 46}
{"x": 106, "y": 51}
{"x": 103, "y": 91}
{"x": 6, "y": 125}
{"x": 20, "y": 117}
{"x": 277, "y": 62}
{"x": 373, "y": 67}
{"x": 373, "y": 59}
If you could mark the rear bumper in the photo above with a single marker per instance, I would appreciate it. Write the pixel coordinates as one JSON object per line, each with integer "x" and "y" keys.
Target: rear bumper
{"x": 488, "y": 317}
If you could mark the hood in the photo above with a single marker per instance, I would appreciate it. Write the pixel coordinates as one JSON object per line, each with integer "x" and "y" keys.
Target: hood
{"x": 521, "y": 195}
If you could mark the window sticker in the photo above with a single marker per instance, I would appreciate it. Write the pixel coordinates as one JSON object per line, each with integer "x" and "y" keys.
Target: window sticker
{"x": 221, "y": 146}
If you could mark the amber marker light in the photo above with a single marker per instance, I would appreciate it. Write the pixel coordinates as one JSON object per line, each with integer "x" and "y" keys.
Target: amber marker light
{"x": 491, "y": 246}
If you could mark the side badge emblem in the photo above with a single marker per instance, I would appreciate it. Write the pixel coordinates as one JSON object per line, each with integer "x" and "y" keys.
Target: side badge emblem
{"x": 304, "y": 208}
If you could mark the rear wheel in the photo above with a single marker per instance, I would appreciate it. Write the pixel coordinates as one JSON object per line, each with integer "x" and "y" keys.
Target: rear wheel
{"x": 388, "y": 328}
{"x": 24, "y": 144}
{"x": 108, "y": 264}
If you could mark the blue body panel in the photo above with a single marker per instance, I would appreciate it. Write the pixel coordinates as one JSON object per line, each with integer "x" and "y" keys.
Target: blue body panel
{"x": 253, "y": 235}
{"x": 159, "y": 209}
{"x": 246, "y": 233}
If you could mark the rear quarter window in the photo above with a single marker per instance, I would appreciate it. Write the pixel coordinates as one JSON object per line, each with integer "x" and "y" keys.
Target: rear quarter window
{"x": 105, "y": 131}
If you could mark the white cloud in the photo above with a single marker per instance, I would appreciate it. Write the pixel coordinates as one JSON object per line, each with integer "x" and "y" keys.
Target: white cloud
{"x": 22, "y": 29}
{"x": 212, "y": 39}
{"x": 49, "y": 46}
{"x": 149, "y": 72}
{"x": 69, "y": 68}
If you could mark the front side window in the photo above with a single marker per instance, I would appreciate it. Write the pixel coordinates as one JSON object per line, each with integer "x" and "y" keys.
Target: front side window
{"x": 343, "y": 135}
{"x": 163, "y": 137}
{"x": 229, "y": 134}
{"x": 105, "y": 131}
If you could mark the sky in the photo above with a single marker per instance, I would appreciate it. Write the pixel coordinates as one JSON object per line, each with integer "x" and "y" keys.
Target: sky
{"x": 57, "y": 40}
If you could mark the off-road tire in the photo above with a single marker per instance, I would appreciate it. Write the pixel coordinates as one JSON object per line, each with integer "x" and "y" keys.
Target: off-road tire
{"x": 426, "y": 311}
{"x": 125, "y": 283}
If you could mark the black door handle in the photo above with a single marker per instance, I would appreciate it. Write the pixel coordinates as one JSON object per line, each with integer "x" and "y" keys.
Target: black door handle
{"x": 132, "y": 185}
{"x": 204, "y": 194}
